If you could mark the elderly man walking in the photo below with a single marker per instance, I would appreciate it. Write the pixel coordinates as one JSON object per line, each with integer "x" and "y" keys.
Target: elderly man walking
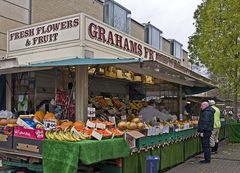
{"x": 205, "y": 127}
{"x": 216, "y": 127}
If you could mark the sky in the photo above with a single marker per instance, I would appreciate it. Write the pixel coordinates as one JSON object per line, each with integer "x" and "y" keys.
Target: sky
{"x": 173, "y": 17}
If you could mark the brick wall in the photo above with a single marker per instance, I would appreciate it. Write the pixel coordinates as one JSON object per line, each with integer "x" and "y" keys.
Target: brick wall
{"x": 137, "y": 30}
{"x": 166, "y": 46}
{"x": 50, "y": 9}
{"x": 13, "y": 14}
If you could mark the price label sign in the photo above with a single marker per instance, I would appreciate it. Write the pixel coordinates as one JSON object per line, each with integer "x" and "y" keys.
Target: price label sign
{"x": 113, "y": 120}
{"x": 124, "y": 118}
{"x": 3, "y": 138}
{"x": 91, "y": 112}
{"x": 101, "y": 126}
{"x": 75, "y": 132}
{"x": 50, "y": 124}
{"x": 90, "y": 124}
{"x": 97, "y": 135}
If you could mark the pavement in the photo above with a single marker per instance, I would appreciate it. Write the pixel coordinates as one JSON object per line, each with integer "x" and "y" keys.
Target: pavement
{"x": 227, "y": 160}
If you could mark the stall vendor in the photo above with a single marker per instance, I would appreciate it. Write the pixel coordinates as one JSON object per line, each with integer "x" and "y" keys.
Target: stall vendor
{"x": 151, "y": 114}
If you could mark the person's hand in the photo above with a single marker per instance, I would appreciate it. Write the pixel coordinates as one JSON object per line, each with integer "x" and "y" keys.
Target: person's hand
{"x": 201, "y": 135}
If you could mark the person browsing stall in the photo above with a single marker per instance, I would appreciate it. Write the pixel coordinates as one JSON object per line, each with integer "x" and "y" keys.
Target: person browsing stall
{"x": 216, "y": 128}
{"x": 205, "y": 127}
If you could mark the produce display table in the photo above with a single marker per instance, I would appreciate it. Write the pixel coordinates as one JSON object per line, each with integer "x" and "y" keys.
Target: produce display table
{"x": 170, "y": 155}
{"x": 192, "y": 146}
{"x": 62, "y": 157}
{"x": 233, "y": 132}
{"x": 175, "y": 148}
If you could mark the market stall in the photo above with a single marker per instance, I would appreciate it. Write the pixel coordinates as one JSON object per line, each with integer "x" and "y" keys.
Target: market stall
{"x": 74, "y": 106}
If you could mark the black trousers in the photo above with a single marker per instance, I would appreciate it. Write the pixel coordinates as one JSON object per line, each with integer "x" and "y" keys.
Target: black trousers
{"x": 206, "y": 145}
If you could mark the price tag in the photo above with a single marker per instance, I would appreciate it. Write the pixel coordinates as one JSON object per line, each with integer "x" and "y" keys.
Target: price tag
{"x": 50, "y": 124}
{"x": 97, "y": 135}
{"x": 101, "y": 126}
{"x": 113, "y": 120}
{"x": 91, "y": 112}
{"x": 75, "y": 132}
{"x": 90, "y": 124}
{"x": 3, "y": 138}
{"x": 124, "y": 118}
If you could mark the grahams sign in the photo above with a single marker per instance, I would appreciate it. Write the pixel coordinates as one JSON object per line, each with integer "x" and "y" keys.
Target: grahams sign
{"x": 48, "y": 33}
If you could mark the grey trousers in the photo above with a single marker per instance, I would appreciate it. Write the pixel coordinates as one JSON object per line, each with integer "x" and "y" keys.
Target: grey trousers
{"x": 214, "y": 137}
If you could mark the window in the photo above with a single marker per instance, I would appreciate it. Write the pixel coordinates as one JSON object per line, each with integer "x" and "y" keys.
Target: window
{"x": 117, "y": 16}
{"x": 176, "y": 49}
{"x": 153, "y": 36}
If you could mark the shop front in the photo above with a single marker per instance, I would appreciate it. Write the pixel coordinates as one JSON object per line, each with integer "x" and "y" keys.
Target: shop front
{"x": 85, "y": 83}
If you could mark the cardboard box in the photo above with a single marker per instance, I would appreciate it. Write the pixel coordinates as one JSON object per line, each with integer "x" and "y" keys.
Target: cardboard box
{"x": 25, "y": 144}
{"x": 28, "y": 139}
{"x": 132, "y": 136}
{"x": 6, "y": 137}
{"x": 6, "y": 141}
{"x": 36, "y": 134}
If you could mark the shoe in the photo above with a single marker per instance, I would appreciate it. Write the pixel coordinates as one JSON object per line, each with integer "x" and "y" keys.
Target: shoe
{"x": 216, "y": 147}
{"x": 204, "y": 161}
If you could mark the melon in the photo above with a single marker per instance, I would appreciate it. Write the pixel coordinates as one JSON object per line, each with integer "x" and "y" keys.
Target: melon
{"x": 39, "y": 115}
{"x": 122, "y": 125}
{"x": 50, "y": 116}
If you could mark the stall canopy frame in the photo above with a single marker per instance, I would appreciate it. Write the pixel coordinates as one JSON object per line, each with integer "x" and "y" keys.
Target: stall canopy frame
{"x": 145, "y": 67}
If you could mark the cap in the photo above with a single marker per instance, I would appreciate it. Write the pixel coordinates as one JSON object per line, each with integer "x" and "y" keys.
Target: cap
{"x": 211, "y": 102}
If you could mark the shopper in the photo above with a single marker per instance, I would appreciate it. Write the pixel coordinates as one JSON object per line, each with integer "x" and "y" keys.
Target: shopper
{"x": 217, "y": 125}
{"x": 205, "y": 127}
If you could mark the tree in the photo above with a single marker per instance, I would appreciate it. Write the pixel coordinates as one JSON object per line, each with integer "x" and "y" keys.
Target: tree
{"x": 216, "y": 42}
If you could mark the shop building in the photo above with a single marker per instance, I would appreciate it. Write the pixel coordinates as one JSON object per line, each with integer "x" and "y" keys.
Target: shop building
{"x": 41, "y": 46}
{"x": 90, "y": 58}
{"x": 110, "y": 12}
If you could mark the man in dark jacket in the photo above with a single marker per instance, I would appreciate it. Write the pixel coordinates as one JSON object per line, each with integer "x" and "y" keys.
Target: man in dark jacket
{"x": 205, "y": 127}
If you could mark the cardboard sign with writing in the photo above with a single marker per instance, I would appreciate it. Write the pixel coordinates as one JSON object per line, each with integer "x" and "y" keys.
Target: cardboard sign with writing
{"x": 90, "y": 124}
{"x": 3, "y": 138}
{"x": 101, "y": 126}
{"x": 91, "y": 112}
{"x": 97, "y": 135}
{"x": 113, "y": 120}
{"x": 75, "y": 132}
{"x": 50, "y": 124}
{"x": 124, "y": 118}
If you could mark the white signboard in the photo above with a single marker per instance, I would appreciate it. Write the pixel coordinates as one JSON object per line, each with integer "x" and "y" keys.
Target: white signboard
{"x": 113, "y": 120}
{"x": 50, "y": 124}
{"x": 101, "y": 126}
{"x": 90, "y": 124}
{"x": 45, "y": 34}
{"x": 97, "y": 135}
{"x": 91, "y": 112}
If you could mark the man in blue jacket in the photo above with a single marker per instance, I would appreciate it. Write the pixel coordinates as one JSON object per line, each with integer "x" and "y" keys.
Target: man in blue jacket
{"x": 205, "y": 127}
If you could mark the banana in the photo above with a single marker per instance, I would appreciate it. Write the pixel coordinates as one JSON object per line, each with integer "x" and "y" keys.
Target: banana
{"x": 50, "y": 135}
{"x": 70, "y": 137}
{"x": 58, "y": 136}
{"x": 62, "y": 135}
{"x": 76, "y": 138}
{"x": 46, "y": 134}
{"x": 84, "y": 136}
